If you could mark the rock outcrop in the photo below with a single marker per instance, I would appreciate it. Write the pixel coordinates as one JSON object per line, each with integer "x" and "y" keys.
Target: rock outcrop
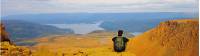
{"x": 4, "y": 34}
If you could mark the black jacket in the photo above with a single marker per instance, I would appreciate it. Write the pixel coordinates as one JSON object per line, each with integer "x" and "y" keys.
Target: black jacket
{"x": 116, "y": 47}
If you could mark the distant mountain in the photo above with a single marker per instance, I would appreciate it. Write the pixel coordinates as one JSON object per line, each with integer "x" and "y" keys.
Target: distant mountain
{"x": 58, "y": 18}
{"x": 131, "y": 22}
{"x": 24, "y": 29}
{"x": 133, "y": 25}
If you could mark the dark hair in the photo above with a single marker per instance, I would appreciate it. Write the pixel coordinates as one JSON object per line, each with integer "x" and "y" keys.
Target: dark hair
{"x": 120, "y": 32}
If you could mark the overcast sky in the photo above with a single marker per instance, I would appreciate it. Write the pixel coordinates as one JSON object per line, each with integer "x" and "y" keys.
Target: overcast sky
{"x": 13, "y": 7}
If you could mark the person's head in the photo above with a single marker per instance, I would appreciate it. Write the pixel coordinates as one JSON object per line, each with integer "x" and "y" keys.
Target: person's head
{"x": 120, "y": 32}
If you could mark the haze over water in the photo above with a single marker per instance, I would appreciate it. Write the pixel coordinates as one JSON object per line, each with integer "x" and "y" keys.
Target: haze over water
{"x": 80, "y": 28}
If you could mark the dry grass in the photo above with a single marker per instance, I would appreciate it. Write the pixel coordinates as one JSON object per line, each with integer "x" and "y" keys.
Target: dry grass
{"x": 170, "y": 38}
{"x": 11, "y": 50}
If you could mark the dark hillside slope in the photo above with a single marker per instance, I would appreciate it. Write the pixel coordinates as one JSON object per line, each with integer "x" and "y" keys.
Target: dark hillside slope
{"x": 24, "y": 29}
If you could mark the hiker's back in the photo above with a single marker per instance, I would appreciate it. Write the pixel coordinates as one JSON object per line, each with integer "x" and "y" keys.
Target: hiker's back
{"x": 119, "y": 43}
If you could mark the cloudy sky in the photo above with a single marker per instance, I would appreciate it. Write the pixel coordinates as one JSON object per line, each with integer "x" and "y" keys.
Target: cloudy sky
{"x": 13, "y": 7}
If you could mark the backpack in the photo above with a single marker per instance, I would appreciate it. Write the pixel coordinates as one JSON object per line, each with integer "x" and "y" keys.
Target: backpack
{"x": 119, "y": 42}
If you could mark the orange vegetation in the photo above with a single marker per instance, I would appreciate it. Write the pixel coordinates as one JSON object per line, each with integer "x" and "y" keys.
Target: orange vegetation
{"x": 12, "y": 50}
{"x": 170, "y": 38}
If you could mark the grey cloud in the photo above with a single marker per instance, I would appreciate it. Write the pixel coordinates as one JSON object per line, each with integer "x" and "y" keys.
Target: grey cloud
{"x": 47, "y": 6}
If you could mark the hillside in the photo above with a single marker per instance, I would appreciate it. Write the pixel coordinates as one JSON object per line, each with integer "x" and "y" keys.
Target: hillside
{"x": 96, "y": 43}
{"x": 24, "y": 29}
{"x": 170, "y": 38}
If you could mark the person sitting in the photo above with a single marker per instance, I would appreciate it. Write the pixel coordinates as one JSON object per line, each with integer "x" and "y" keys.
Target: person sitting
{"x": 120, "y": 42}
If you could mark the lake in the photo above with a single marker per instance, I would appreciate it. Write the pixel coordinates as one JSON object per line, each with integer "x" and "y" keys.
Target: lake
{"x": 84, "y": 28}
{"x": 80, "y": 28}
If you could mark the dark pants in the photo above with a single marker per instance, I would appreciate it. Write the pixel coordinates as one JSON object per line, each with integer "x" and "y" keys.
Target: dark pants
{"x": 119, "y": 49}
